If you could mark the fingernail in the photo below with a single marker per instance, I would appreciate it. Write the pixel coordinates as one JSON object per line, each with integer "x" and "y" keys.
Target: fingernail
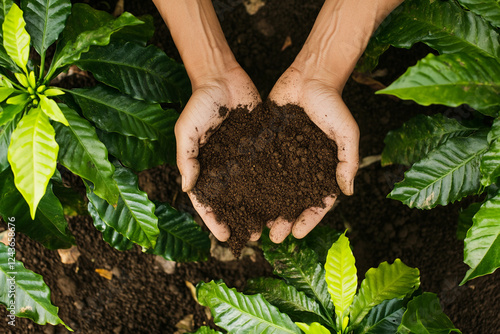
{"x": 184, "y": 183}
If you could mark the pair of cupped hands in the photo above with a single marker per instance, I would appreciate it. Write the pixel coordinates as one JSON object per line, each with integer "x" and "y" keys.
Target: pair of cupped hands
{"x": 232, "y": 87}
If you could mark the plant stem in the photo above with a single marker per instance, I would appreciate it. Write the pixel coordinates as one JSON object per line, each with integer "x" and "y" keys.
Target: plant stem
{"x": 42, "y": 67}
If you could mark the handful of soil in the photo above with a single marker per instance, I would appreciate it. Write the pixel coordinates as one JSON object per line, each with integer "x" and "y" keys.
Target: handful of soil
{"x": 262, "y": 164}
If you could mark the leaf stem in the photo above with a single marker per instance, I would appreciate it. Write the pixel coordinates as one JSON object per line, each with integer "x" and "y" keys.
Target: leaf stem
{"x": 42, "y": 66}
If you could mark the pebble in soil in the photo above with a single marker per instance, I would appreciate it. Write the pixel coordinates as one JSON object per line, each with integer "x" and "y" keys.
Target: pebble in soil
{"x": 262, "y": 164}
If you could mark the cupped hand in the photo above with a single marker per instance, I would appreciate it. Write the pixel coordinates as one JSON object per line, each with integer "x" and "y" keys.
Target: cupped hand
{"x": 322, "y": 102}
{"x": 198, "y": 120}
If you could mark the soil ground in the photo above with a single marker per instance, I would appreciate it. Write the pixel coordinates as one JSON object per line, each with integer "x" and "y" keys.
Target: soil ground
{"x": 142, "y": 298}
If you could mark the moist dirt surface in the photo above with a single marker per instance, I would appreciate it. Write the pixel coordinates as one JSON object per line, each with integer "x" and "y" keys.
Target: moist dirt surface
{"x": 146, "y": 295}
{"x": 262, "y": 164}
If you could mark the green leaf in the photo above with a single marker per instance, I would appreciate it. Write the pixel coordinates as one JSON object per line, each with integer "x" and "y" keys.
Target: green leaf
{"x": 300, "y": 268}
{"x": 9, "y": 112}
{"x": 84, "y": 155}
{"x": 425, "y": 316}
{"x": 238, "y": 313}
{"x": 181, "y": 238}
{"x": 320, "y": 239}
{"x": 443, "y": 25}
{"x": 287, "y": 299}
{"x": 487, "y": 9}
{"x": 52, "y": 110}
{"x": 465, "y": 219}
{"x": 314, "y": 328}
{"x": 419, "y": 136}
{"x": 49, "y": 227}
{"x": 16, "y": 39}
{"x": 135, "y": 153}
{"x": 140, "y": 34}
{"x": 490, "y": 161}
{"x": 341, "y": 277}
{"x": 113, "y": 238}
{"x": 4, "y": 9}
{"x": 446, "y": 175}
{"x": 133, "y": 216}
{"x": 388, "y": 281}
{"x": 5, "y": 134}
{"x": 142, "y": 72}
{"x": 206, "y": 330}
{"x": 32, "y": 155}
{"x": 5, "y": 92}
{"x": 32, "y": 295}
{"x": 451, "y": 80}
{"x": 383, "y": 318}
{"x": 45, "y": 20}
{"x": 482, "y": 244}
{"x": 69, "y": 50}
{"x": 115, "y": 112}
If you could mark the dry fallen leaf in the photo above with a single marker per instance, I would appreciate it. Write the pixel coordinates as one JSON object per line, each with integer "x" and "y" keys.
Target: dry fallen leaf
{"x": 167, "y": 266}
{"x": 192, "y": 289}
{"x": 369, "y": 160}
{"x": 70, "y": 255}
{"x": 253, "y": 6}
{"x": 287, "y": 43}
{"x": 119, "y": 8}
{"x": 4, "y": 238}
{"x": 367, "y": 80}
{"x": 186, "y": 324}
{"x": 105, "y": 273}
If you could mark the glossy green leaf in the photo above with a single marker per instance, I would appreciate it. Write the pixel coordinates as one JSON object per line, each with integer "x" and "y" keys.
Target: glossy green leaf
{"x": 425, "y": 316}
{"x": 238, "y": 313}
{"x": 443, "y": 25}
{"x": 465, "y": 219}
{"x": 32, "y": 296}
{"x": 206, "y": 330}
{"x": 70, "y": 50}
{"x": 135, "y": 153}
{"x": 21, "y": 99}
{"x": 299, "y": 266}
{"x": 386, "y": 282}
{"x": 446, "y": 175}
{"x": 52, "y": 110}
{"x": 451, "y": 80}
{"x": 420, "y": 135}
{"x": 140, "y": 34}
{"x": 16, "y": 39}
{"x": 142, "y": 72}
{"x": 314, "y": 328}
{"x": 115, "y": 112}
{"x": 6, "y": 62}
{"x": 32, "y": 155}
{"x": 482, "y": 244}
{"x": 9, "y": 112}
{"x": 45, "y": 20}
{"x": 487, "y": 9}
{"x": 5, "y": 134}
{"x": 490, "y": 161}
{"x": 133, "y": 217}
{"x": 320, "y": 239}
{"x": 50, "y": 228}
{"x": 4, "y": 9}
{"x": 113, "y": 238}
{"x": 84, "y": 155}
{"x": 383, "y": 318}
{"x": 288, "y": 300}
{"x": 181, "y": 239}
{"x": 341, "y": 276}
{"x": 5, "y": 92}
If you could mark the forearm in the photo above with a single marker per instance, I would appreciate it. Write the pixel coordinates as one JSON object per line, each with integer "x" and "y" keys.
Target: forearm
{"x": 339, "y": 37}
{"x": 198, "y": 36}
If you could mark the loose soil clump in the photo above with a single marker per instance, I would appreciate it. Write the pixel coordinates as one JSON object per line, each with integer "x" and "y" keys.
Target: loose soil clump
{"x": 263, "y": 164}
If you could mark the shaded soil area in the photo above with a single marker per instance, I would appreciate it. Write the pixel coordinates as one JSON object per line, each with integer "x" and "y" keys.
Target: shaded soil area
{"x": 263, "y": 164}
{"x": 143, "y": 298}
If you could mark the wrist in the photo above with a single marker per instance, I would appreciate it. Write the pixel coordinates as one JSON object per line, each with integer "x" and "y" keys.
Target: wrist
{"x": 339, "y": 37}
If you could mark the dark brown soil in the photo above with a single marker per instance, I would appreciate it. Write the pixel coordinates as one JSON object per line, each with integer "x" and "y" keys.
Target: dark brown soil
{"x": 263, "y": 164}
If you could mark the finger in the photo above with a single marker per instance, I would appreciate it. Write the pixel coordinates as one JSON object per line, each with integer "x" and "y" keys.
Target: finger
{"x": 187, "y": 152}
{"x": 255, "y": 235}
{"x": 311, "y": 217}
{"x": 348, "y": 155}
{"x": 280, "y": 230}
{"x": 218, "y": 229}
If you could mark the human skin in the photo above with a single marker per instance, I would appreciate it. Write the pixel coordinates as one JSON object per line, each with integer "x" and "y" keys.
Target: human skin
{"x": 314, "y": 81}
